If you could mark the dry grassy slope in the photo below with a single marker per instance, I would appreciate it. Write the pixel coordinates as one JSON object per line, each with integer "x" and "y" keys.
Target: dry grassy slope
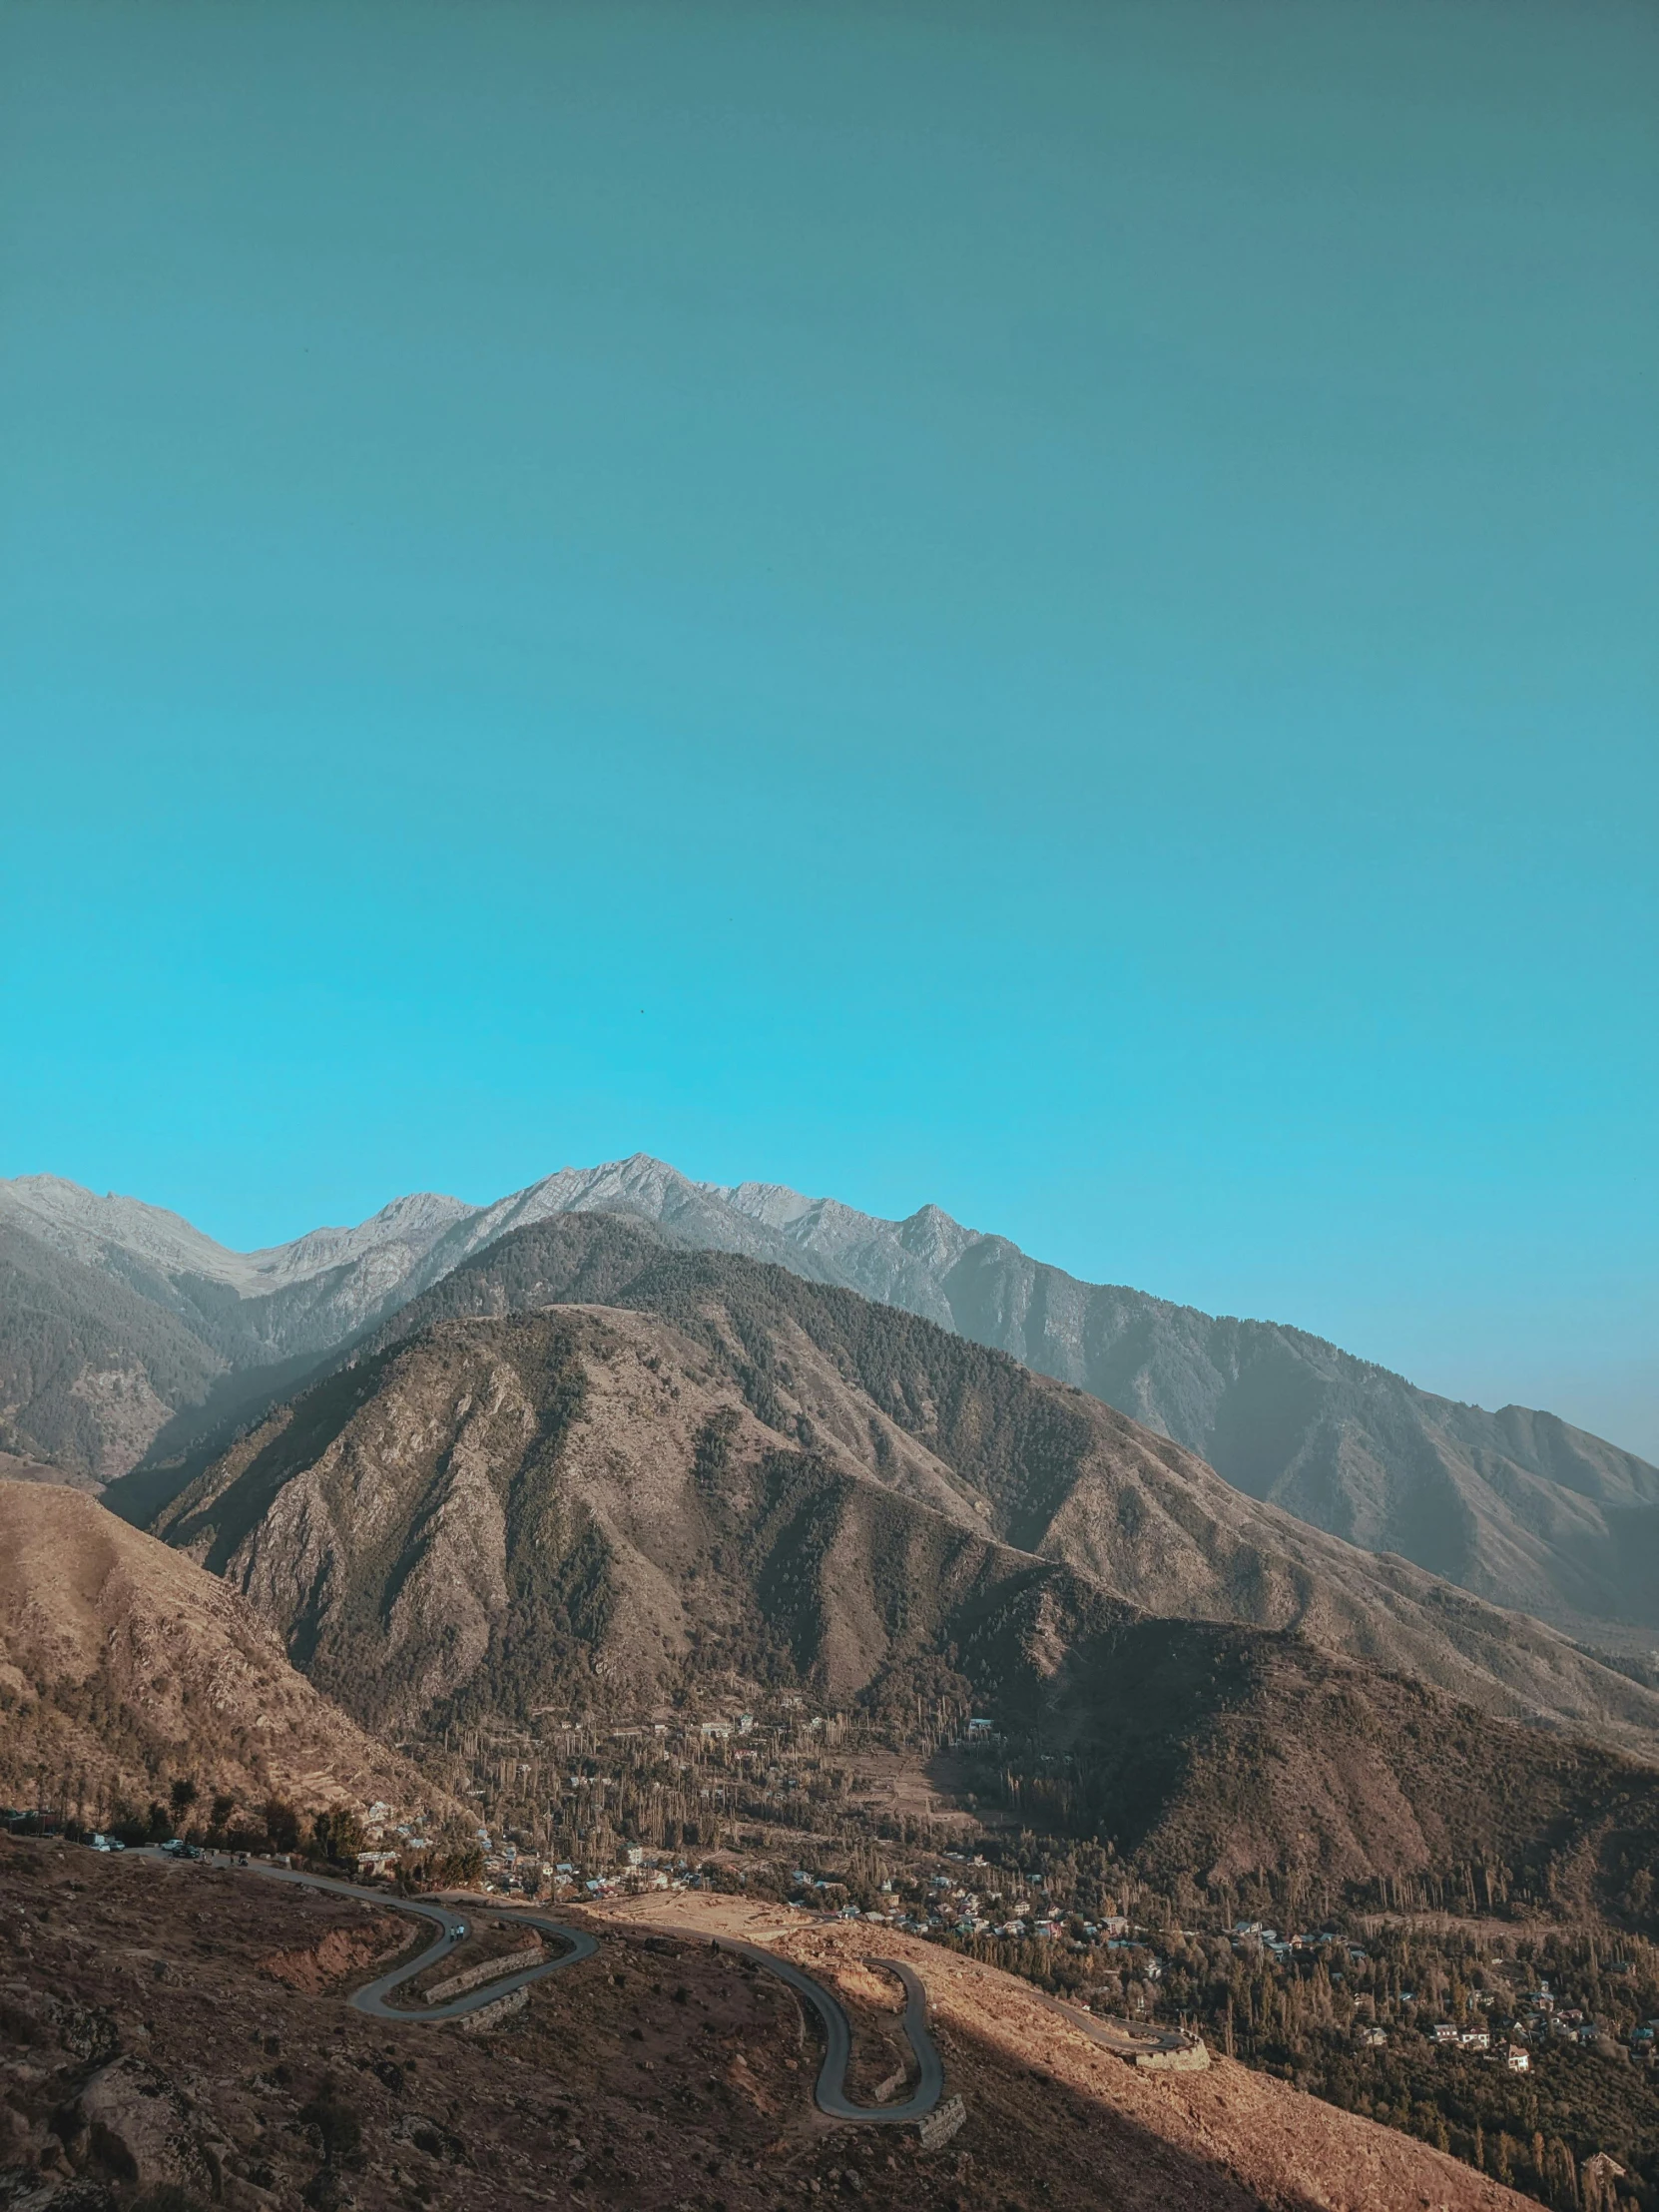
{"x": 1045, "y": 1467}
{"x": 1077, "y": 2120}
{"x": 122, "y": 1661}
{"x": 151, "y": 2036}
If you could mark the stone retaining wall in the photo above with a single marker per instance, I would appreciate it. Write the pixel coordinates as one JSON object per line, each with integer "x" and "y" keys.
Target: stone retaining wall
{"x": 458, "y": 1984}
{"x": 491, "y": 2015}
{"x": 1187, "y": 2056}
{"x": 941, "y": 2123}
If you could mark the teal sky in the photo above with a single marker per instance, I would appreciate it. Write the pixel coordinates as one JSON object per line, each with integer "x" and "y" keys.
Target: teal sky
{"x": 1046, "y": 608}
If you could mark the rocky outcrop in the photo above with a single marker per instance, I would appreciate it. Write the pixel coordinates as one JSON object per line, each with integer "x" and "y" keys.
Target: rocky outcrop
{"x": 317, "y": 1966}
{"x": 133, "y": 2124}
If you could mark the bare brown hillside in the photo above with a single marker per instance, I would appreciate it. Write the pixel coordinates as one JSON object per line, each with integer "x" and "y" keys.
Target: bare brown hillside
{"x": 123, "y": 1665}
{"x": 877, "y": 1395}
{"x": 1056, "y": 2120}
{"x": 580, "y": 1511}
{"x": 1045, "y": 1468}
{"x": 149, "y": 2044}
{"x": 575, "y": 1507}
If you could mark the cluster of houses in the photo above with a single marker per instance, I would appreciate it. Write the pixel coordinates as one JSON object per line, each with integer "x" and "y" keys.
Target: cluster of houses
{"x": 507, "y": 1868}
{"x": 1539, "y": 2018}
{"x": 1446, "y": 2035}
{"x": 386, "y": 1843}
{"x": 952, "y": 1906}
{"x": 1253, "y": 1936}
{"x": 1542, "y": 2016}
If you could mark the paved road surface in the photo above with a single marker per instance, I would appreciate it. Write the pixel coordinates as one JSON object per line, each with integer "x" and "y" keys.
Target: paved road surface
{"x": 452, "y": 1927}
{"x": 829, "y": 2091}
{"x": 830, "y": 2087}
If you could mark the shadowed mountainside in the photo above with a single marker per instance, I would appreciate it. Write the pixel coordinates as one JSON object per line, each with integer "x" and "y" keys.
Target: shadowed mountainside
{"x": 1216, "y": 1751}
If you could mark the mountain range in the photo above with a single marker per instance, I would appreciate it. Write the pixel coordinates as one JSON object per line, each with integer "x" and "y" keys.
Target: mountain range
{"x": 126, "y": 1333}
{"x": 575, "y": 1457}
{"x": 590, "y": 1476}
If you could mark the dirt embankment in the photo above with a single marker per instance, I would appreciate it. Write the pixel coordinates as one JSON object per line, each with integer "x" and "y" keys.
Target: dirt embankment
{"x": 320, "y": 1966}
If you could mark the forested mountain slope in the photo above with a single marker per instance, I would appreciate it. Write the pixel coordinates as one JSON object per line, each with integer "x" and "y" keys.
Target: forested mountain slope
{"x": 603, "y": 1510}
{"x": 1045, "y": 1467}
{"x": 1517, "y": 1506}
{"x": 91, "y": 1369}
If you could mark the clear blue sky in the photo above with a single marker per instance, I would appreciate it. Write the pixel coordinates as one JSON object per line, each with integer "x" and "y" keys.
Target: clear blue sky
{"x": 1050, "y": 608}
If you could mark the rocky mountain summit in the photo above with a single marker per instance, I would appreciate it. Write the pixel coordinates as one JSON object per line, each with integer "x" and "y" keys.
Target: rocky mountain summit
{"x": 118, "y": 1321}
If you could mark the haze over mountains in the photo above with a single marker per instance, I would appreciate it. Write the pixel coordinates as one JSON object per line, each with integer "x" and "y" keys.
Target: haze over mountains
{"x": 116, "y": 1317}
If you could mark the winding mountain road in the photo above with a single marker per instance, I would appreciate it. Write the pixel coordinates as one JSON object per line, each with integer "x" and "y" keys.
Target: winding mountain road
{"x": 452, "y": 1927}
{"x": 829, "y": 2090}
